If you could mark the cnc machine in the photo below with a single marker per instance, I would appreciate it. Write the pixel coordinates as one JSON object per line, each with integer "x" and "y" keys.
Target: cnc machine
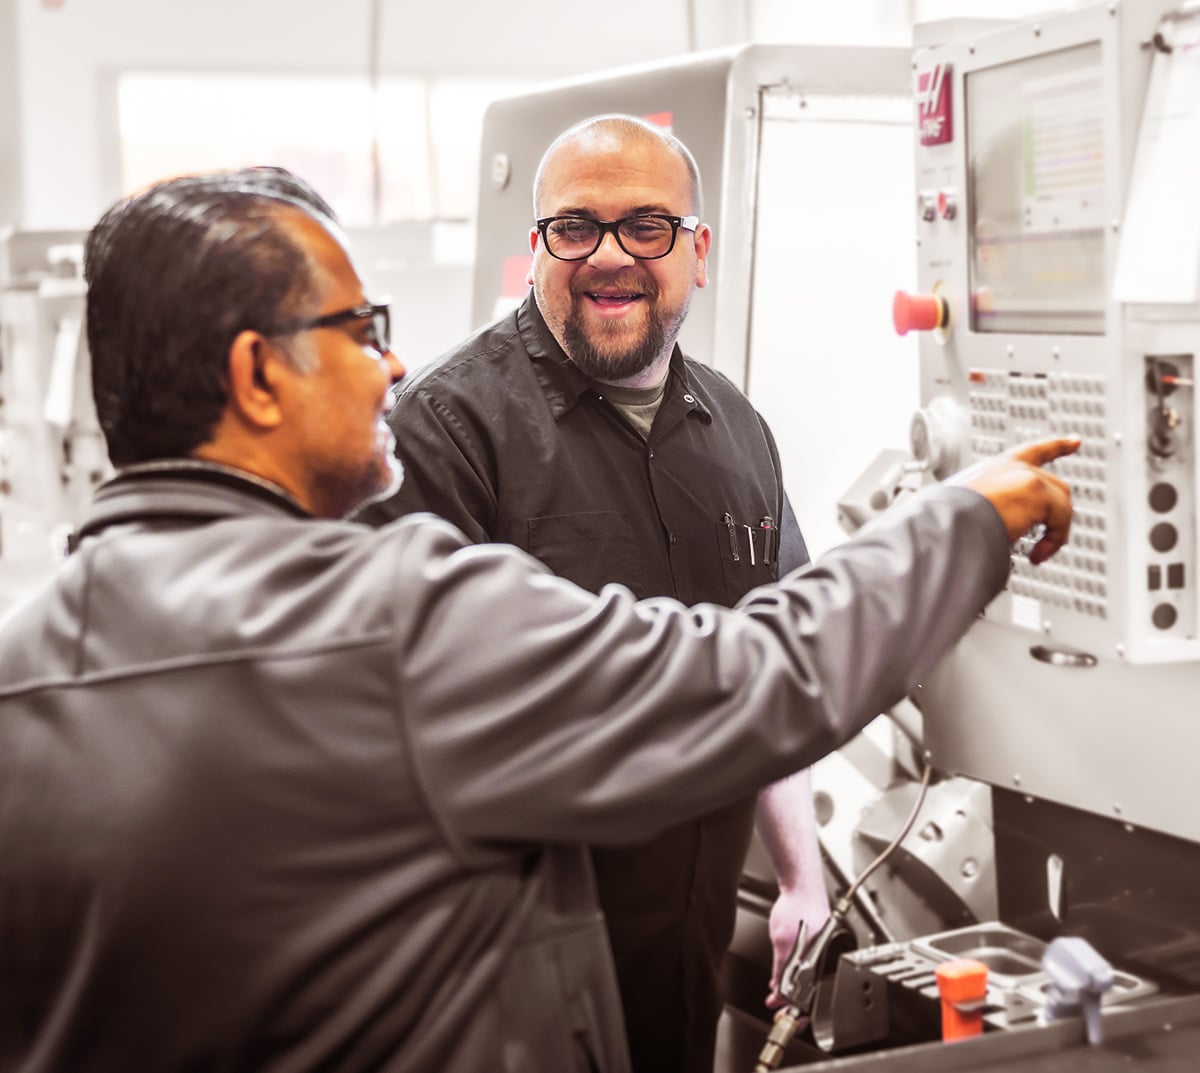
{"x": 1055, "y": 289}
{"x": 1058, "y": 242}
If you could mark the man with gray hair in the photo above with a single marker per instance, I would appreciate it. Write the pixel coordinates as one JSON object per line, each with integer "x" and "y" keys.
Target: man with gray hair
{"x": 281, "y": 793}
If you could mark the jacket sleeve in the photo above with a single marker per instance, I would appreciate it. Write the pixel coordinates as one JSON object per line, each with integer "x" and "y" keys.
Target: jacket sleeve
{"x": 446, "y": 470}
{"x": 536, "y": 712}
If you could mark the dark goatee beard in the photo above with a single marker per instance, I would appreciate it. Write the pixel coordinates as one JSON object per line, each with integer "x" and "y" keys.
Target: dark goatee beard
{"x": 609, "y": 363}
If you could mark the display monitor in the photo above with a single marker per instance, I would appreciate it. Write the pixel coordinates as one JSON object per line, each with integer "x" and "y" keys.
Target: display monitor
{"x": 1035, "y": 172}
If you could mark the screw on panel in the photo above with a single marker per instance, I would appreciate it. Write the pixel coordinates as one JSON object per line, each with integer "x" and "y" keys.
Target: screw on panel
{"x": 750, "y": 113}
{"x": 1120, "y": 651}
{"x": 1116, "y": 808}
{"x": 970, "y": 868}
{"x": 1046, "y": 626}
{"x": 501, "y": 170}
{"x": 1112, "y": 9}
{"x": 1037, "y": 30}
{"x": 971, "y": 49}
{"x": 1055, "y": 353}
{"x": 1016, "y": 780}
{"x": 1116, "y": 225}
{"x": 1116, "y": 439}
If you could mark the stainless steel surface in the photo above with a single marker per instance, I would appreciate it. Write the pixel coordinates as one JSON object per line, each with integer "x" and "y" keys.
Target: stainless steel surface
{"x": 1159, "y": 1036}
{"x": 1008, "y": 953}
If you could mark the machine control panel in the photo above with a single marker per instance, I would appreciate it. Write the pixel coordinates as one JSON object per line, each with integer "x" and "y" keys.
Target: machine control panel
{"x": 1008, "y": 407}
{"x": 1020, "y": 325}
{"x": 1071, "y": 269}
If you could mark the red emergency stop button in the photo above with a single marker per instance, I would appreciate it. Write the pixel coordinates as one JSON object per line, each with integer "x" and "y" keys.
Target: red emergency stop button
{"x": 919, "y": 312}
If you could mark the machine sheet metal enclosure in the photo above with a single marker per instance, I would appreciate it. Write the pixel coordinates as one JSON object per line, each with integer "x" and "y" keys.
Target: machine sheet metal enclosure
{"x": 1076, "y": 687}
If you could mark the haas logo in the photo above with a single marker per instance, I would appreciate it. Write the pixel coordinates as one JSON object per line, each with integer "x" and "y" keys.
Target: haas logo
{"x": 934, "y": 114}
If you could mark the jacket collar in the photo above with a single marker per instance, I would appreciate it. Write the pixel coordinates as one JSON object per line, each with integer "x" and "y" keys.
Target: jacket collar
{"x": 182, "y": 488}
{"x": 563, "y": 384}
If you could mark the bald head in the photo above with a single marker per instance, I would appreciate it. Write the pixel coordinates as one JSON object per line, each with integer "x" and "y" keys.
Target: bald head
{"x": 613, "y": 134}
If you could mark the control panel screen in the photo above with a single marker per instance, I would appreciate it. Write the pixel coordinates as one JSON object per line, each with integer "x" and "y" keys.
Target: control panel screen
{"x": 1035, "y": 173}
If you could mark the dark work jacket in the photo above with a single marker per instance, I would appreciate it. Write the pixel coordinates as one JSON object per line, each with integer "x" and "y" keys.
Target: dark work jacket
{"x": 280, "y": 795}
{"x": 508, "y": 440}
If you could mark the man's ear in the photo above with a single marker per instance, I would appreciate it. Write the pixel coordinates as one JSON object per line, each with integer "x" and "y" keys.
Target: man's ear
{"x": 703, "y": 245}
{"x": 255, "y": 369}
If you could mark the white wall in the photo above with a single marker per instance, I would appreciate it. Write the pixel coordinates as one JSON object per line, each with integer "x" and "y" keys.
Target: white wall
{"x": 928, "y": 10}
{"x": 68, "y": 58}
{"x": 10, "y": 171}
{"x": 857, "y": 22}
{"x": 875, "y": 22}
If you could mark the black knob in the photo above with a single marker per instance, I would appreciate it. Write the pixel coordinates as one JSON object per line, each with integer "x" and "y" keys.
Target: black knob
{"x": 1164, "y": 616}
{"x": 1163, "y": 497}
{"x": 1163, "y": 537}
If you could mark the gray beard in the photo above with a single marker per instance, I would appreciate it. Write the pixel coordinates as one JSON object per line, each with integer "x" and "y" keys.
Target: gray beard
{"x": 395, "y": 479}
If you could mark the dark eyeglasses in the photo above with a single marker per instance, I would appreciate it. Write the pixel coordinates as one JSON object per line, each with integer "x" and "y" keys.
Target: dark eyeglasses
{"x": 378, "y": 327}
{"x": 649, "y": 237}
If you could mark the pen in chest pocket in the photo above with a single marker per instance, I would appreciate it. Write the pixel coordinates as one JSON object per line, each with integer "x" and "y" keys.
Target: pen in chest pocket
{"x": 770, "y": 537}
{"x": 731, "y": 529}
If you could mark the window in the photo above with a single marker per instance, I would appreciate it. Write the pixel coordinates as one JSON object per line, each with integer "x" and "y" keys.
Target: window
{"x": 323, "y": 127}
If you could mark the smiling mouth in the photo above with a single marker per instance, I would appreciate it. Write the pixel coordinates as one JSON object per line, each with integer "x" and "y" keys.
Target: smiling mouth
{"x": 604, "y": 298}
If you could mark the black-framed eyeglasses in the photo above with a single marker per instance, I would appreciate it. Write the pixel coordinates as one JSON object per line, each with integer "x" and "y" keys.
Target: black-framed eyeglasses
{"x": 647, "y": 237}
{"x": 377, "y": 316}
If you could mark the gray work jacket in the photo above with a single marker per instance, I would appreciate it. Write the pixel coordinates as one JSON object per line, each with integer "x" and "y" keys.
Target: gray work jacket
{"x": 285, "y": 794}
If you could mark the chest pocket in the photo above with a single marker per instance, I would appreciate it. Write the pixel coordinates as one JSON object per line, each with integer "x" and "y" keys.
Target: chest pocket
{"x": 591, "y": 549}
{"x": 748, "y": 554}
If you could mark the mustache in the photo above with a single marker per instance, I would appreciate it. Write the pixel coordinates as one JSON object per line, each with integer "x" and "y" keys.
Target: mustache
{"x": 632, "y": 281}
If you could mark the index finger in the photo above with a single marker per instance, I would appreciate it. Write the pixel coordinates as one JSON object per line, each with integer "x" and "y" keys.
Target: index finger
{"x": 1039, "y": 452}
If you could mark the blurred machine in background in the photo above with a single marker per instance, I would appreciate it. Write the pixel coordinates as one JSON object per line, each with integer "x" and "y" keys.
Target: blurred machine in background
{"x": 52, "y": 453}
